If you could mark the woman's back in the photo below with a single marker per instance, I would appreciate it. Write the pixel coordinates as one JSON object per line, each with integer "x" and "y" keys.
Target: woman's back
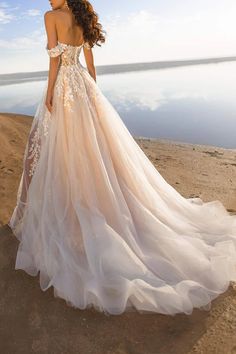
{"x": 68, "y": 30}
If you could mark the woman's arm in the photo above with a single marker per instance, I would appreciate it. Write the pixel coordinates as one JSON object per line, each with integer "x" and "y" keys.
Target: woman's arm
{"x": 88, "y": 54}
{"x": 50, "y": 25}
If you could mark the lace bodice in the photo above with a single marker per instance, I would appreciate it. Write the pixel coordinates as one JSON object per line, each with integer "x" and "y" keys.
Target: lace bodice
{"x": 73, "y": 85}
{"x": 70, "y": 82}
{"x": 69, "y": 53}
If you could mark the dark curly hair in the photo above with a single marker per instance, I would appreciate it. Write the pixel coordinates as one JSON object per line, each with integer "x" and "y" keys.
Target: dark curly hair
{"x": 87, "y": 18}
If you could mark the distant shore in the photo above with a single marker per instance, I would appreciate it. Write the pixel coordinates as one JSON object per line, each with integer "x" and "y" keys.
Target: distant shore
{"x": 22, "y": 77}
{"x": 194, "y": 170}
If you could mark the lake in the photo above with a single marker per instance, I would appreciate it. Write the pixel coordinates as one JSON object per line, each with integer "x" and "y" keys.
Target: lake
{"x": 194, "y": 104}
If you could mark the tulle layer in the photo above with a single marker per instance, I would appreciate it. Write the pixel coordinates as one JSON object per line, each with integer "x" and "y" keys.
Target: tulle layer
{"x": 102, "y": 226}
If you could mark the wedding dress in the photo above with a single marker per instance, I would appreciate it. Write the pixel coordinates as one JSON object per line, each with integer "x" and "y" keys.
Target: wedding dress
{"x": 99, "y": 223}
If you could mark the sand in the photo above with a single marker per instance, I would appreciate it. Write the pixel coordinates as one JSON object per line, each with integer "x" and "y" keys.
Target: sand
{"x": 33, "y": 321}
{"x": 14, "y": 129}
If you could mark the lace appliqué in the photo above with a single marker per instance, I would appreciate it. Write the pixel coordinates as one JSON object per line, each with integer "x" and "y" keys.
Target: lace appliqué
{"x": 36, "y": 141}
{"x": 55, "y": 51}
{"x": 72, "y": 84}
{"x": 46, "y": 122}
{"x": 71, "y": 81}
{"x": 34, "y": 151}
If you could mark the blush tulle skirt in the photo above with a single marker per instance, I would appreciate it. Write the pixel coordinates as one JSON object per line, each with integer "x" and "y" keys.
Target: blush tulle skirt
{"x": 96, "y": 220}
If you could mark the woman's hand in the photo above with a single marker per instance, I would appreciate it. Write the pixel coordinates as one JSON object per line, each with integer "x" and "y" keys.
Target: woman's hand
{"x": 49, "y": 100}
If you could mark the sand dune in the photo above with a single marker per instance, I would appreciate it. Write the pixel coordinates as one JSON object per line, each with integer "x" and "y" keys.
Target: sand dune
{"x": 35, "y": 322}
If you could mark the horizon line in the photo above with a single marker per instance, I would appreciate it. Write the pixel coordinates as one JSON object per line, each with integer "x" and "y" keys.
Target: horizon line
{"x": 24, "y": 76}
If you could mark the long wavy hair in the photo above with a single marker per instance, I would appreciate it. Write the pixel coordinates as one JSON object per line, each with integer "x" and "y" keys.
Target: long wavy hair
{"x": 87, "y": 18}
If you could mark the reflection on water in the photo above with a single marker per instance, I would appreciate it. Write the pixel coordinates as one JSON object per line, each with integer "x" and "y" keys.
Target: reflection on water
{"x": 193, "y": 104}
{"x": 21, "y": 98}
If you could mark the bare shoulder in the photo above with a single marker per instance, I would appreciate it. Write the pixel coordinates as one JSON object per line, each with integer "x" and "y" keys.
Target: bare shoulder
{"x": 51, "y": 15}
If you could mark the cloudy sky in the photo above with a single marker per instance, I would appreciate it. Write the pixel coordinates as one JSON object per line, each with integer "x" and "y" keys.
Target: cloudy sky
{"x": 137, "y": 31}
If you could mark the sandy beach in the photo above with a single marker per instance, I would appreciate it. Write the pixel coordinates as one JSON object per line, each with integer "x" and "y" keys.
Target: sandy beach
{"x": 41, "y": 323}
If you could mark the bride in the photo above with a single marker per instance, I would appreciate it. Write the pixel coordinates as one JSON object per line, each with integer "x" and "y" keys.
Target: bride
{"x": 93, "y": 216}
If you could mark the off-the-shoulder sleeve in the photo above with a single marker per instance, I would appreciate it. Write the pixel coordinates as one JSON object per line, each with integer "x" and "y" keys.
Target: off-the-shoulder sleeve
{"x": 86, "y": 45}
{"x": 55, "y": 51}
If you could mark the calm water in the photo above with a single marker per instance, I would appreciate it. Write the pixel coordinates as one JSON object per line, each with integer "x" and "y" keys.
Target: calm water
{"x": 193, "y": 104}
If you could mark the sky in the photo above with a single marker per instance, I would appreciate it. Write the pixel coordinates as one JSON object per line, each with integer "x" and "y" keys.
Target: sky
{"x": 136, "y": 31}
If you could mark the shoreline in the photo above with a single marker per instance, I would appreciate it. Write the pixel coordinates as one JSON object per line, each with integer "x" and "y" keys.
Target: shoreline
{"x": 179, "y": 142}
{"x": 143, "y": 138}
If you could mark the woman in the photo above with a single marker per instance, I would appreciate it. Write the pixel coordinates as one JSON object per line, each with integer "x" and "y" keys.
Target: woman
{"x": 93, "y": 215}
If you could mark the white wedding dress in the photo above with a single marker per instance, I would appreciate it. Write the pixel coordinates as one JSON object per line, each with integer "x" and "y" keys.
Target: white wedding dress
{"x": 100, "y": 224}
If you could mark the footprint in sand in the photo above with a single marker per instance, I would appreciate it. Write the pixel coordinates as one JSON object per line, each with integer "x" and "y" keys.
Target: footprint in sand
{"x": 214, "y": 153}
{"x": 6, "y": 170}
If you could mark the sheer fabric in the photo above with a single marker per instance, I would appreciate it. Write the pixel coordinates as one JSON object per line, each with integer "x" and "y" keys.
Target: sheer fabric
{"x": 99, "y": 223}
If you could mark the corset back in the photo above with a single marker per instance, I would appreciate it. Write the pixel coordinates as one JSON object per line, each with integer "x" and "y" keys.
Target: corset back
{"x": 69, "y": 53}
